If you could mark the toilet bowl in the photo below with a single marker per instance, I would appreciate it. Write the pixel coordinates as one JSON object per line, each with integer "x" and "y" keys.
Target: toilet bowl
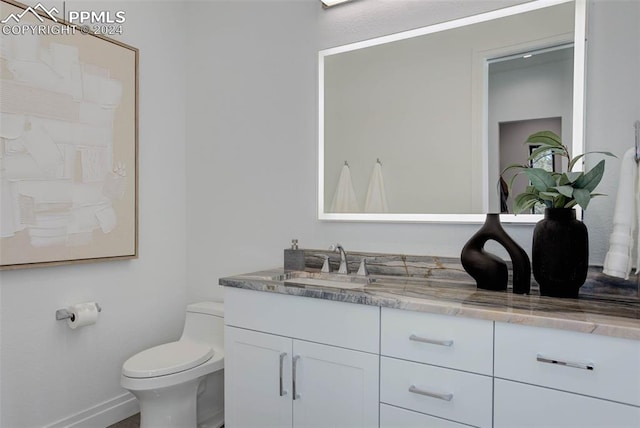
{"x": 166, "y": 379}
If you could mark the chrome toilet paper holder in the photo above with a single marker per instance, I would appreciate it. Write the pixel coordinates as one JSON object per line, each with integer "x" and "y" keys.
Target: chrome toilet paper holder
{"x": 63, "y": 314}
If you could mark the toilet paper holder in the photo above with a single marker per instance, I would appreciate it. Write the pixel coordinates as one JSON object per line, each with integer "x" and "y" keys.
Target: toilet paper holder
{"x": 63, "y": 314}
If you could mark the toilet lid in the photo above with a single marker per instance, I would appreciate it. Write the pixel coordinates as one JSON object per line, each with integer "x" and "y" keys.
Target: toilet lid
{"x": 166, "y": 359}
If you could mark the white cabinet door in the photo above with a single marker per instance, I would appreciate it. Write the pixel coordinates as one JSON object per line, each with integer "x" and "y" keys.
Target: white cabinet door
{"x": 527, "y": 406}
{"x": 334, "y": 387}
{"x": 255, "y": 395}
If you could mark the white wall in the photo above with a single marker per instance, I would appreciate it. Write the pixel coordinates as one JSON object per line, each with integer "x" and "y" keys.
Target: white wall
{"x": 52, "y": 373}
{"x": 250, "y": 136}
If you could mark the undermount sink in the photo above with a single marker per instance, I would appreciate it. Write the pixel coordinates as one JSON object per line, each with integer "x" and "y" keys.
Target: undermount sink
{"x": 333, "y": 283}
{"x": 355, "y": 282}
{"x": 322, "y": 279}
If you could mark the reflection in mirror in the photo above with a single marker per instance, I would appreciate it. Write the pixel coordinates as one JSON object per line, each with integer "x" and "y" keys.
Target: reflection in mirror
{"x": 423, "y": 103}
{"x": 529, "y": 92}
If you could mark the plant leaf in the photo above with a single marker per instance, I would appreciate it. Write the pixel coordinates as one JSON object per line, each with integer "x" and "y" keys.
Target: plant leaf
{"x": 512, "y": 166}
{"x": 573, "y": 162}
{"x": 513, "y": 177}
{"x": 590, "y": 180}
{"x": 525, "y": 201}
{"x": 573, "y": 176}
{"x": 560, "y": 201}
{"x": 547, "y": 138}
{"x": 565, "y": 190}
{"x": 549, "y": 196}
{"x": 544, "y": 150}
{"x": 582, "y": 197}
{"x": 540, "y": 178}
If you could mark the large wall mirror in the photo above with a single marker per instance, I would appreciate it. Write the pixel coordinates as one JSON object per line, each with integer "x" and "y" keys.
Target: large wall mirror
{"x": 416, "y": 126}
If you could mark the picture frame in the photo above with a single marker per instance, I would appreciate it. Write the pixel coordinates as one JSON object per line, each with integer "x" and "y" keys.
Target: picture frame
{"x": 68, "y": 141}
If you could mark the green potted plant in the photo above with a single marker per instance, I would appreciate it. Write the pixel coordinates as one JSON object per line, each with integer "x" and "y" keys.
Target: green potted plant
{"x": 560, "y": 253}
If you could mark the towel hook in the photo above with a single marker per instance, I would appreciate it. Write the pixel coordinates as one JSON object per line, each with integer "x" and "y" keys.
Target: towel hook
{"x": 378, "y": 160}
{"x": 637, "y": 126}
{"x": 346, "y": 163}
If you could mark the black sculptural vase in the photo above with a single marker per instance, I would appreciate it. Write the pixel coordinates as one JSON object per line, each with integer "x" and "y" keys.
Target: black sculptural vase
{"x": 489, "y": 270}
{"x": 560, "y": 253}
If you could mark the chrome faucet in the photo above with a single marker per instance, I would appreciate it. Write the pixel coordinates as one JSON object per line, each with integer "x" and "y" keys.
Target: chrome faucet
{"x": 344, "y": 267}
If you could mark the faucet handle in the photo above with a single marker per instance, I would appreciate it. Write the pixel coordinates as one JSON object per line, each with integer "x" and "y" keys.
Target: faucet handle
{"x": 325, "y": 266}
{"x": 362, "y": 270}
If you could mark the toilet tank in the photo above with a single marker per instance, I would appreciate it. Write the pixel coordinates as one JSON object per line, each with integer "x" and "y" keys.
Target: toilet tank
{"x": 205, "y": 323}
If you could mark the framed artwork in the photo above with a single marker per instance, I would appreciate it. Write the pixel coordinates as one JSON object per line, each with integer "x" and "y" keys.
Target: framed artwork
{"x": 68, "y": 142}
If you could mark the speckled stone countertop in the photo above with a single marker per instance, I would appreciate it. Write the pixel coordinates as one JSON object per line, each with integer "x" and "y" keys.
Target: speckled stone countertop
{"x": 613, "y": 316}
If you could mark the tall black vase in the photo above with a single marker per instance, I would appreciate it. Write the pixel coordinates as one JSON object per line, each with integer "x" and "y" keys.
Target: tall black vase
{"x": 489, "y": 270}
{"x": 560, "y": 254}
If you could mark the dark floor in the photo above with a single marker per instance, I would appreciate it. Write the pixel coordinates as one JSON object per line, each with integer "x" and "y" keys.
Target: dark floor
{"x": 132, "y": 422}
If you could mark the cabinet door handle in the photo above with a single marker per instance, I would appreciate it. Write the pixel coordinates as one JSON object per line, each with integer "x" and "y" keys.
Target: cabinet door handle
{"x": 431, "y": 341}
{"x": 282, "y": 357}
{"x": 577, "y": 365}
{"x": 445, "y": 397}
{"x": 295, "y": 375}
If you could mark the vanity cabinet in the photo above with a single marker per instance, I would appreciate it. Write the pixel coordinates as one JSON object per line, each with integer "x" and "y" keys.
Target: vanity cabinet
{"x": 558, "y": 378}
{"x": 275, "y": 378}
{"x": 294, "y": 361}
{"x": 437, "y": 366}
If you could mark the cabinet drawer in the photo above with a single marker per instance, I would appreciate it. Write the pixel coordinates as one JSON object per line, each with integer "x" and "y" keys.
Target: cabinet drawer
{"x": 442, "y": 340}
{"x": 523, "y": 406}
{"x": 599, "y": 366}
{"x": 346, "y": 325}
{"x": 394, "y": 417}
{"x": 460, "y": 396}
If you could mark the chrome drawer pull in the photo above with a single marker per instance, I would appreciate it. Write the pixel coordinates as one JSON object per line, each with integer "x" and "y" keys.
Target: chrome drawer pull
{"x": 445, "y": 397}
{"x": 431, "y": 341}
{"x": 584, "y": 366}
{"x": 282, "y": 391}
{"x": 295, "y": 375}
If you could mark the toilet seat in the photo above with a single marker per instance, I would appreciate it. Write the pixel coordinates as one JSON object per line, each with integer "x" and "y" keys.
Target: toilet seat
{"x": 167, "y": 359}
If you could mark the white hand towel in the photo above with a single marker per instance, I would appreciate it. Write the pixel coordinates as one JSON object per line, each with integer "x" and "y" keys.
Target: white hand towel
{"x": 344, "y": 198}
{"x": 376, "y": 201}
{"x": 618, "y": 260}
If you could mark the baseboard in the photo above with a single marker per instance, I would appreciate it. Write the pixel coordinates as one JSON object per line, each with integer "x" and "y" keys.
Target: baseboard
{"x": 101, "y": 415}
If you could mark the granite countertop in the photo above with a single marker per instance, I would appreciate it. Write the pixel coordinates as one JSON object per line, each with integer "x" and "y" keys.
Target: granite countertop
{"x": 613, "y": 316}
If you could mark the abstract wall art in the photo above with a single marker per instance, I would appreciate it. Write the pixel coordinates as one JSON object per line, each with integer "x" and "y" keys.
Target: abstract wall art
{"x": 68, "y": 142}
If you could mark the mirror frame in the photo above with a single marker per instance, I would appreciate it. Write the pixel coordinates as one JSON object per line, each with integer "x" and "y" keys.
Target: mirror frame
{"x": 577, "y": 145}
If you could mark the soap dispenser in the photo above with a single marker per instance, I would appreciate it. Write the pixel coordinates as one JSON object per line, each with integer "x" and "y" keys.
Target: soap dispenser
{"x": 294, "y": 257}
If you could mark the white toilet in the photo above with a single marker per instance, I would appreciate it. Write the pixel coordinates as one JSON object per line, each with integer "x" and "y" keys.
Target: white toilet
{"x": 166, "y": 379}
